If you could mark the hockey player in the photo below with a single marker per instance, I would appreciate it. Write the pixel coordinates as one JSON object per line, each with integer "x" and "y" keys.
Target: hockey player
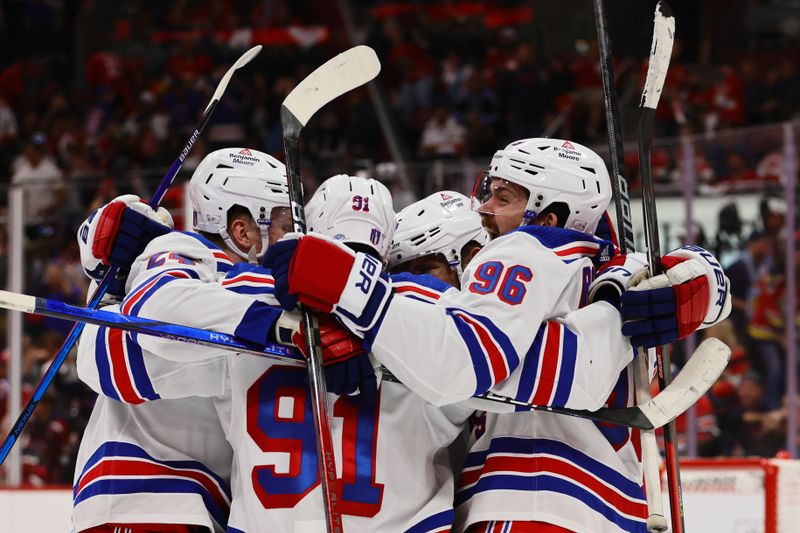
{"x": 175, "y": 448}
{"x": 486, "y": 341}
{"x": 276, "y": 481}
{"x": 438, "y": 235}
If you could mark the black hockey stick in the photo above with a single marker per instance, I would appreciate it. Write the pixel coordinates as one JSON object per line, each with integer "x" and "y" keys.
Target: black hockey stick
{"x": 703, "y": 369}
{"x": 651, "y": 458}
{"x": 339, "y": 75}
{"x": 660, "y": 54}
{"x": 97, "y": 296}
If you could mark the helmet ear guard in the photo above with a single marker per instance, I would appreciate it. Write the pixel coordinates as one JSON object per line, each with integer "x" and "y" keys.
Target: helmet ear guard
{"x": 237, "y": 177}
{"x": 556, "y": 170}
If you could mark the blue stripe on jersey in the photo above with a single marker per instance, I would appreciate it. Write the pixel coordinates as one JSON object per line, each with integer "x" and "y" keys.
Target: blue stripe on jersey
{"x": 203, "y": 240}
{"x": 232, "y": 529}
{"x": 252, "y": 289}
{"x": 126, "y": 449}
{"x": 566, "y": 374}
{"x": 418, "y": 298}
{"x": 553, "y": 237}
{"x": 140, "y": 376}
{"x": 434, "y": 522}
{"x": 103, "y": 367}
{"x": 547, "y": 483}
{"x": 153, "y": 485}
{"x": 257, "y": 322}
{"x": 483, "y": 375}
{"x": 530, "y": 369}
{"x": 425, "y": 280}
{"x": 163, "y": 279}
{"x": 523, "y": 445}
{"x": 243, "y": 268}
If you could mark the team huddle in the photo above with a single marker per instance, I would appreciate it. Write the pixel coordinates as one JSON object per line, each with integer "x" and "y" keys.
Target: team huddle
{"x": 518, "y": 291}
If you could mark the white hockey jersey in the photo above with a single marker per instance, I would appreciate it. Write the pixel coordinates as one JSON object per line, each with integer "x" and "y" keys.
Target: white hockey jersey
{"x": 518, "y": 329}
{"x": 392, "y": 457}
{"x": 159, "y": 463}
{"x": 132, "y": 450}
{"x": 491, "y": 334}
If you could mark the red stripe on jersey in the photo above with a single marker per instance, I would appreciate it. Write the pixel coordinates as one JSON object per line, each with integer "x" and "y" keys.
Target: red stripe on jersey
{"x": 222, "y": 256}
{"x": 517, "y": 527}
{"x": 554, "y": 465}
{"x": 119, "y": 365}
{"x": 547, "y": 373}
{"x": 137, "y": 468}
{"x": 582, "y": 250}
{"x": 263, "y": 280}
{"x": 496, "y": 359}
{"x": 400, "y": 289}
{"x": 137, "y": 295}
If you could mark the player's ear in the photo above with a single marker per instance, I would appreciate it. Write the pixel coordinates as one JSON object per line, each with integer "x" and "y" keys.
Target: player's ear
{"x": 550, "y": 219}
{"x": 467, "y": 256}
{"x": 239, "y": 234}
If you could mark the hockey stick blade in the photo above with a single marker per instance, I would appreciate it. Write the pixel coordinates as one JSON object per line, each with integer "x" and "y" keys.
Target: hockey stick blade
{"x": 702, "y": 370}
{"x": 244, "y": 59}
{"x": 343, "y": 73}
{"x": 660, "y": 54}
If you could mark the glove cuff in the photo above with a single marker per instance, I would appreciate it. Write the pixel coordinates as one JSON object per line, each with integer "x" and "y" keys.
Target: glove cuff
{"x": 718, "y": 285}
{"x": 287, "y": 325}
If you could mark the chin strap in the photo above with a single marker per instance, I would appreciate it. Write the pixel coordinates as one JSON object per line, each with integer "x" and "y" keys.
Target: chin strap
{"x": 250, "y": 256}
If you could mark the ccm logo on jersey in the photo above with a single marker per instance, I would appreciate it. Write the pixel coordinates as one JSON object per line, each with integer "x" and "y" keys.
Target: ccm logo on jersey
{"x": 369, "y": 267}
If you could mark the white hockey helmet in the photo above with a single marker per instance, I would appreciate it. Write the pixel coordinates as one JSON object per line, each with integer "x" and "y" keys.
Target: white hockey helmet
{"x": 553, "y": 170}
{"x": 442, "y": 223}
{"x": 353, "y": 210}
{"x": 237, "y": 176}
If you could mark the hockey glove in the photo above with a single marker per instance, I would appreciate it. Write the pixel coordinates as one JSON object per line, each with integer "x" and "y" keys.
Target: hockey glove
{"x": 616, "y": 276}
{"x": 328, "y": 276}
{"x": 116, "y": 234}
{"x": 669, "y": 306}
{"x": 347, "y": 365}
{"x": 277, "y": 259}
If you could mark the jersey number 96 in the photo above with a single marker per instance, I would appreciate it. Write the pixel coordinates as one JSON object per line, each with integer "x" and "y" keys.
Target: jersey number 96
{"x": 508, "y": 283}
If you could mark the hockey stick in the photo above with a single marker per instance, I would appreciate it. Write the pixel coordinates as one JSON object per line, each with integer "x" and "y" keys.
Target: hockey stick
{"x": 651, "y": 458}
{"x": 343, "y": 73}
{"x": 660, "y": 53}
{"x": 75, "y": 332}
{"x": 702, "y": 370}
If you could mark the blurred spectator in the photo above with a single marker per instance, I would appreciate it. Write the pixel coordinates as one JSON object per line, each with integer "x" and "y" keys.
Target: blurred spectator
{"x": 443, "y": 136}
{"x": 43, "y": 181}
{"x": 744, "y": 274}
{"x": 754, "y": 431}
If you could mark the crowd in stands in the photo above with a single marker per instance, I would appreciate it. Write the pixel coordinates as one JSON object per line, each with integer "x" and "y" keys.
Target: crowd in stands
{"x": 461, "y": 79}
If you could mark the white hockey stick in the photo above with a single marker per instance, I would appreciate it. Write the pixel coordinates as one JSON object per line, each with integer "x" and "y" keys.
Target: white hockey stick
{"x": 660, "y": 54}
{"x": 703, "y": 369}
{"x": 343, "y": 73}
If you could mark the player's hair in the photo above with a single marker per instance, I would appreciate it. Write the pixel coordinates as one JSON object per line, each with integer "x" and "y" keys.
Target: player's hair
{"x": 560, "y": 210}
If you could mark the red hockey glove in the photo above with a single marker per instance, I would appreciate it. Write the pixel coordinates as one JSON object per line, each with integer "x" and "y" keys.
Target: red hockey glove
{"x": 667, "y": 307}
{"x": 329, "y": 277}
{"x": 347, "y": 365}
